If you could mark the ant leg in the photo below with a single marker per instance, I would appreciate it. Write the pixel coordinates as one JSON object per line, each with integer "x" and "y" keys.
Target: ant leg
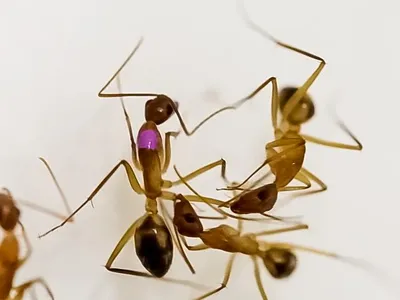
{"x": 301, "y": 91}
{"x": 41, "y": 209}
{"x": 130, "y": 131}
{"x": 289, "y": 246}
{"x": 101, "y": 94}
{"x": 167, "y": 148}
{"x": 228, "y": 271}
{"x": 300, "y": 177}
{"x": 221, "y": 162}
{"x": 121, "y": 244}
{"x": 311, "y": 176}
{"x": 274, "y": 102}
{"x": 132, "y": 180}
{"x": 20, "y": 290}
{"x": 175, "y": 236}
{"x": 319, "y": 141}
{"x": 276, "y": 231}
{"x": 258, "y": 278}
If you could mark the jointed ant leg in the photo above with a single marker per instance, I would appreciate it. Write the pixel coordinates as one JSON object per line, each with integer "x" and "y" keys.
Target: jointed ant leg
{"x": 228, "y": 271}
{"x": 167, "y": 147}
{"x": 221, "y": 162}
{"x": 274, "y": 100}
{"x": 130, "y": 131}
{"x": 310, "y": 176}
{"x": 258, "y": 278}
{"x": 281, "y": 230}
{"x": 20, "y": 290}
{"x": 301, "y": 91}
{"x": 122, "y": 242}
{"x": 319, "y": 141}
{"x": 132, "y": 180}
{"x": 300, "y": 177}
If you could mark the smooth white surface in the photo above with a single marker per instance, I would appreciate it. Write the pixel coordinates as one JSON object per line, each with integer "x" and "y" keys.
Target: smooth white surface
{"x": 56, "y": 55}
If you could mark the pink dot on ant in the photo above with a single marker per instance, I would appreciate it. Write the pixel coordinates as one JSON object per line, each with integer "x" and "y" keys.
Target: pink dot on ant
{"x": 148, "y": 139}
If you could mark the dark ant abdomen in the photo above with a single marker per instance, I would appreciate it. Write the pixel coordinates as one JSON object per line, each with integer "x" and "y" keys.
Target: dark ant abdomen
{"x": 154, "y": 246}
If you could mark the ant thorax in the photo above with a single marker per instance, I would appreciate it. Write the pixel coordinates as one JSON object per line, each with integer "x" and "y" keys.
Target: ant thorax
{"x": 287, "y": 130}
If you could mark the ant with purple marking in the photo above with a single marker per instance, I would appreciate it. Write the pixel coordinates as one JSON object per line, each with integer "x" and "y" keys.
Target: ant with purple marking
{"x": 10, "y": 262}
{"x": 153, "y": 236}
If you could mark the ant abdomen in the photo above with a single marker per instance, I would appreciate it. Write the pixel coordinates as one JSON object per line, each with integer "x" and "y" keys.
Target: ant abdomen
{"x": 159, "y": 109}
{"x": 185, "y": 218}
{"x": 303, "y": 111}
{"x": 153, "y": 243}
{"x": 280, "y": 262}
{"x": 259, "y": 200}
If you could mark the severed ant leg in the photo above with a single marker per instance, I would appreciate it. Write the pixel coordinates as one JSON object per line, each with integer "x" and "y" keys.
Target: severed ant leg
{"x": 301, "y": 91}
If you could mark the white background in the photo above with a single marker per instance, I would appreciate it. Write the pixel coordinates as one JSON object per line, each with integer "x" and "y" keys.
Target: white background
{"x": 56, "y": 55}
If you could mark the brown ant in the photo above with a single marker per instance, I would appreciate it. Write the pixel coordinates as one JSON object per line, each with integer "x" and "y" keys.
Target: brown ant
{"x": 152, "y": 235}
{"x": 296, "y": 108}
{"x": 278, "y": 257}
{"x": 10, "y": 261}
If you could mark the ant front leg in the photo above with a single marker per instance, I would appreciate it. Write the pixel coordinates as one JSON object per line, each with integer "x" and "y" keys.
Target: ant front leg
{"x": 20, "y": 290}
{"x": 227, "y": 275}
{"x": 221, "y": 162}
{"x": 167, "y": 148}
{"x": 132, "y": 180}
{"x": 301, "y": 91}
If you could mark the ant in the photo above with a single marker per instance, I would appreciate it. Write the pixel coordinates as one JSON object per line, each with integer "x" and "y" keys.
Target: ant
{"x": 278, "y": 257}
{"x": 152, "y": 235}
{"x": 10, "y": 261}
{"x": 296, "y": 108}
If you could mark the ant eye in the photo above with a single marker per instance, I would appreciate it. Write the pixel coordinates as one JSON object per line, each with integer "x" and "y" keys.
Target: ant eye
{"x": 262, "y": 195}
{"x": 169, "y": 109}
{"x": 190, "y": 218}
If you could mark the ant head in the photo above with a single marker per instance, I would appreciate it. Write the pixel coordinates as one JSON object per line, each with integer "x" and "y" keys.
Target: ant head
{"x": 280, "y": 262}
{"x": 302, "y": 112}
{"x": 159, "y": 109}
{"x": 9, "y": 213}
{"x": 185, "y": 218}
{"x": 256, "y": 201}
